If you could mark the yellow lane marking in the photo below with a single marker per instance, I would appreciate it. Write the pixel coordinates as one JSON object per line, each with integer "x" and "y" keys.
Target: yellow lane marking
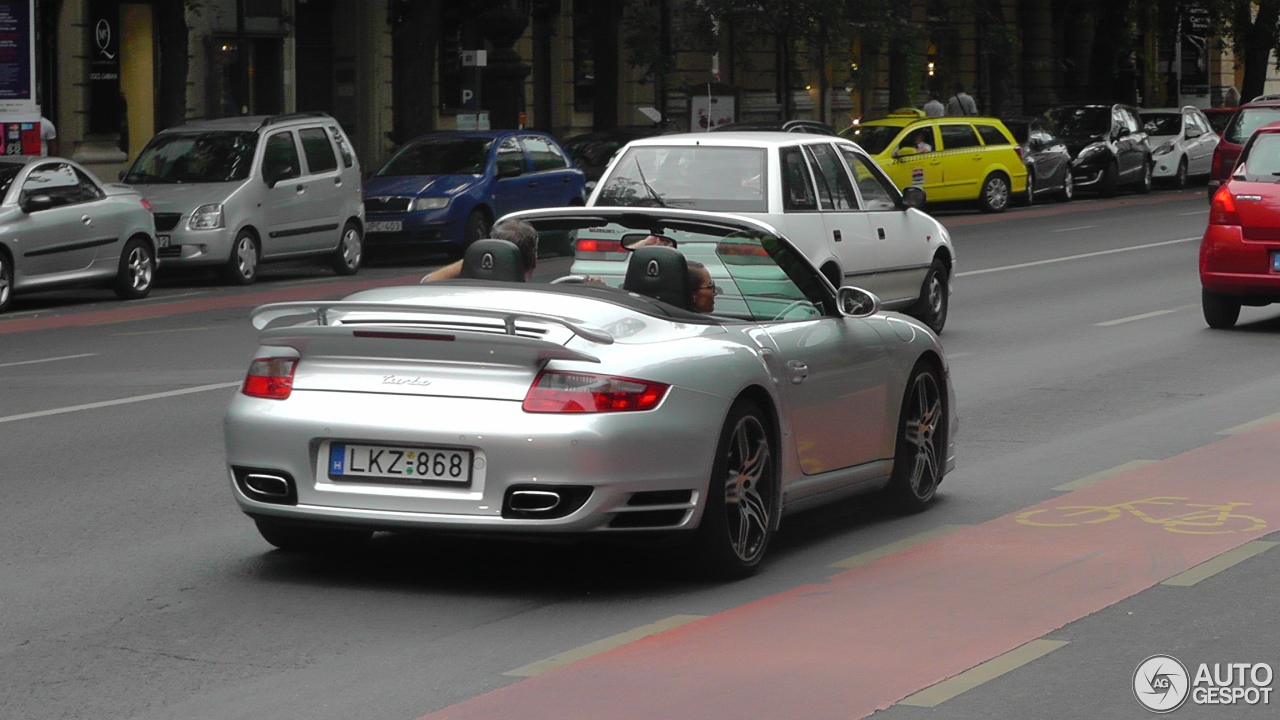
{"x": 1216, "y": 565}
{"x": 1245, "y": 427}
{"x": 160, "y": 332}
{"x": 1203, "y": 519}
{"x": 600, "y": 646}
{"x": 1144, "y": 316}
{"x": 1098, "y": 477}
{"x": 893, "y": 547}
{"x": 973, "y": 677}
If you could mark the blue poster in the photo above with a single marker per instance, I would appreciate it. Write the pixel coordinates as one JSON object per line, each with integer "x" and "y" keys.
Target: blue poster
{"x": 15, "y": 50}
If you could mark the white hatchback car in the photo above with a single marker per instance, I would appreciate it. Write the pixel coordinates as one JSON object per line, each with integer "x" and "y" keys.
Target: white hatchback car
{"x": 1182, "y": 144}
{"x": 823, "y": 193}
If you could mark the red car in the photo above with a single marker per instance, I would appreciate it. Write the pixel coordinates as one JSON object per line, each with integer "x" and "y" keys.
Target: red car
{"x": 1240, "y": 252}
{"x": 1248, "y": 117}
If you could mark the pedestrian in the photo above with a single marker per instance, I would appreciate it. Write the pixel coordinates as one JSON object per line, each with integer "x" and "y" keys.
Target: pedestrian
{"x": 1231, "y": 98}
{"x": 934, "y": 107}
{"x": 48, "y": 137}
{"x": 961, "y": 103}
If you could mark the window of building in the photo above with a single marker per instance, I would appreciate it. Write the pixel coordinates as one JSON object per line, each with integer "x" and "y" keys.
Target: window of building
{"x": 584, "y": 71}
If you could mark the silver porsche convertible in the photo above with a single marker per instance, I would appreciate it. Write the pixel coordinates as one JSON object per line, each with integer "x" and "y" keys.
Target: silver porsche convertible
{"x": 723, "y": 384}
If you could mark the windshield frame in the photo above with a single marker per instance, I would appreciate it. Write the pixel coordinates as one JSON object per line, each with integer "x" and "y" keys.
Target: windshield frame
{"x": 160, "y": 141}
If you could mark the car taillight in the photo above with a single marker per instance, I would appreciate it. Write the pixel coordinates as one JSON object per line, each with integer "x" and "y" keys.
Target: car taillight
{"x": 571, "y": 392}
{"x": 1018, "y": 149}
{"x": 1216, "y": 170}
{"x": 270, "y": 378}
{"x": 599, "y": 246}
{"x": 146, "y": 203}
{"x": 1222, "y": 211}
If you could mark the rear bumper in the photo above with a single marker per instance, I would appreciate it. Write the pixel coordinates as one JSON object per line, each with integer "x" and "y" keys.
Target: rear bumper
{"x": 670, "y": 448}
{"x": 1232, "y": 265}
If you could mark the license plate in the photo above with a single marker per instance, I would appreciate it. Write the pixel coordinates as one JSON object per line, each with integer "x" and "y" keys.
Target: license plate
{"x": 399, "y": 464}
{"x": 384, "y": 226}
{"x": 165, "y": 240}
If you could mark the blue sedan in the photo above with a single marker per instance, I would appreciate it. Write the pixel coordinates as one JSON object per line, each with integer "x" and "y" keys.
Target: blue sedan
{"x": 444, "y": 190}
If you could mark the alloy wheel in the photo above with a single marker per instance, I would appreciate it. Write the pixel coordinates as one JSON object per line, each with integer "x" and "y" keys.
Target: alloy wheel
{"x": 351, "y": 247}
{"x": 935, "y": 295}
{"x": 1031, "y": 187}
{"x": 1069, "y": 186}
{"x": 923, "y": 420}
{"x": 4, "y": 282}
{"x": 140, "y": 269}
{"x": 246, "y": 257}
{"x": 748, "y": 490}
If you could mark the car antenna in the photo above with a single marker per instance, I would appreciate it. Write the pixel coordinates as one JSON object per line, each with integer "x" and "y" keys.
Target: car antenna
{"x": 652, "y": 193}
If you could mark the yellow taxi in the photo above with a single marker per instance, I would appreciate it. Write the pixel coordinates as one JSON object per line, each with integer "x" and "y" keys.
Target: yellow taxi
{"x": 950, "y": 158}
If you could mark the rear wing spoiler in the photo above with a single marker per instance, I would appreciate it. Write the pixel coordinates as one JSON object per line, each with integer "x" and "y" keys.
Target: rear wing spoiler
{"x": 264, "y": 315}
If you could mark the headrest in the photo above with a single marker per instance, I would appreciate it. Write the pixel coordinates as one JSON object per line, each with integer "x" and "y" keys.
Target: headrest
{"x": 660, "y": 273}
{"x": 493, "y": 260}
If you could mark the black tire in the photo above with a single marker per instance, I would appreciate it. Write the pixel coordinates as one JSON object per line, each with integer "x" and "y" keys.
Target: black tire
{"x": 350, "y": 253}
{"x": 6, "y": 282}
{"x": 1181, "y": 180}
{"x": 242, "y": 265}
{"x": 1110, "y": 183}
{"x": 137, "y": 270}
{"x": 477, "y": 228}
{"x": 935, "y": 300}
{"x": 922, "y": 441}
{"x": 1144, "y": 183}
{"x": 1220, "y": 311}
{"x": 297, "y": 537}
{"x": 994, "y": 196}
{"x": 1068, "y": 191}
{"x": 743, "y": 496}
{"x": 1029, "y": 198}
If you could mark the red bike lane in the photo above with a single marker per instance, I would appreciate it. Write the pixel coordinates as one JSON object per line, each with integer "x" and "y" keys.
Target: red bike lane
{"x": 875, "y": 634}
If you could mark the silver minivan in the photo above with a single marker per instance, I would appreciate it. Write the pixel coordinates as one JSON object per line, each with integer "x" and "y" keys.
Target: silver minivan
{"x": 236, "y": 192}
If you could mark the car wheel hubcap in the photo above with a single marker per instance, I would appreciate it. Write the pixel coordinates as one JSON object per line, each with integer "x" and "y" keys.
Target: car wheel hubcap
{"x": 748, "y": 488}
{"x": 246, "y": 257}
{"x": 4, "y": 282}
{"x": 140, "y": 269}
{"x": 997, "y": 193}
{"x": 351, "y": 247}
{"x": 1031, "y": 188}
{"x": 1070, "y": 187}
{"x": 924, "y": 414}
{"x": 935, "y": 295}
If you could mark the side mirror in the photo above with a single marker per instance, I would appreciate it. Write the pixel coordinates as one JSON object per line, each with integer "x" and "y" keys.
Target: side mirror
{"x": 856, "y": 302}
{"x": 36, "y": 203}
{"x": 1122, "y": 133}
{"x": 121, "y": 175}
{"x": 913, "y": 197}
{"x": 279, "y": 174}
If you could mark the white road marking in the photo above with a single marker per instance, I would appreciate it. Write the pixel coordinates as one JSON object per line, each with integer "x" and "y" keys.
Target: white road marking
{"x": 1081, "y": 256}
{"x": 1082, "y": 227}
{"x": 600, "y": 646}
{"x": 1144, "y": 316}
{"x": 1194, "y": 212}
{"x": 953, "y": 356}
{"x": 1098, "y": 477}
{"x": 121, "y": 401}
{"x": 159, "y": 332}
{"x": 45, "y": 360}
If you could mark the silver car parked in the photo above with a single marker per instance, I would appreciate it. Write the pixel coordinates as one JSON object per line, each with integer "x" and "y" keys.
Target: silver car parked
{"x": 240, "y": 191}
{"x": 572, "y": 407}
{"x": 60, "y": 227}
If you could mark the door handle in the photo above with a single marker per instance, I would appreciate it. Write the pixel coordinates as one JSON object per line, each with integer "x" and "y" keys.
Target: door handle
{"x": 533, "y": 184}
{"x": 798, "y": 371}
{"x": 880, "y": 232}
{"x": 567, "y": 180}
{"x": 301, "y": 189}
{"x": 835, "y": 234}
{"x": 86, "y": 219}
{"x": 337, "y": 181}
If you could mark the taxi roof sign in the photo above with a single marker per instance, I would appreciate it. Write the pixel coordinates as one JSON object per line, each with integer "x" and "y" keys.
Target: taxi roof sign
{"x": 907, "y": 112}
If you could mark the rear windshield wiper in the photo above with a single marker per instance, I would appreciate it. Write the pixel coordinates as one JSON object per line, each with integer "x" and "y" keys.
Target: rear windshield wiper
{"x": 652, "y": 193}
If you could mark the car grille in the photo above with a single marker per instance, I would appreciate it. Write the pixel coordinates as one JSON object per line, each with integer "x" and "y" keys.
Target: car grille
{"x": 167, "y": 221}
{"x": 171, "y": 251}
{"x": 387, "y": 204}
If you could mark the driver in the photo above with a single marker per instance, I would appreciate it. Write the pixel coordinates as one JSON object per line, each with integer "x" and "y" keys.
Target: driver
{"x": 702, "y": 287}
{"x": 519, "y": 232}
{"x": 921, "y": 142}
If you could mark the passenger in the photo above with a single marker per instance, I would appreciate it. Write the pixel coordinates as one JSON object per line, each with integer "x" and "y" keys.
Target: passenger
{"x": 517, "y": 231}
{"x": 659, "y": 240}
{"x": 704, "y": 290}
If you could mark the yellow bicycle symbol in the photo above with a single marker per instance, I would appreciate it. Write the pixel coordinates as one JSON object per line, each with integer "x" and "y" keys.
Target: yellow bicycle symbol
{"x": 1205, "y": 520}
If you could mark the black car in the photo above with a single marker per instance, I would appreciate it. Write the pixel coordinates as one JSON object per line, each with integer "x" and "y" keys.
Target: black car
{"x": 812, "y": 127}
{"x": 1046, "y": 156}
{"x": 593, "y": 151}
{"x": 1108, "y": 147}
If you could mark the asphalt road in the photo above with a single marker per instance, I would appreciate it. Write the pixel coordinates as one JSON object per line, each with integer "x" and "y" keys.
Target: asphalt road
{"x": 131, "y": 586}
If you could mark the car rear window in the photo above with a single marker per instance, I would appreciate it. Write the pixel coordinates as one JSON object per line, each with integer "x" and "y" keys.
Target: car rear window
{"x": 1261, "y": 161}
{"x": 1248, "y": 120}
{"x": 991, "y": 135}
{"x": 699, "y": 177}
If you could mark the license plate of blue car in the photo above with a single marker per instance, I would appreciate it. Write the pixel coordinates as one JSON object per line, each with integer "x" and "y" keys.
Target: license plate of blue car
{"x": 399, "y": 464}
